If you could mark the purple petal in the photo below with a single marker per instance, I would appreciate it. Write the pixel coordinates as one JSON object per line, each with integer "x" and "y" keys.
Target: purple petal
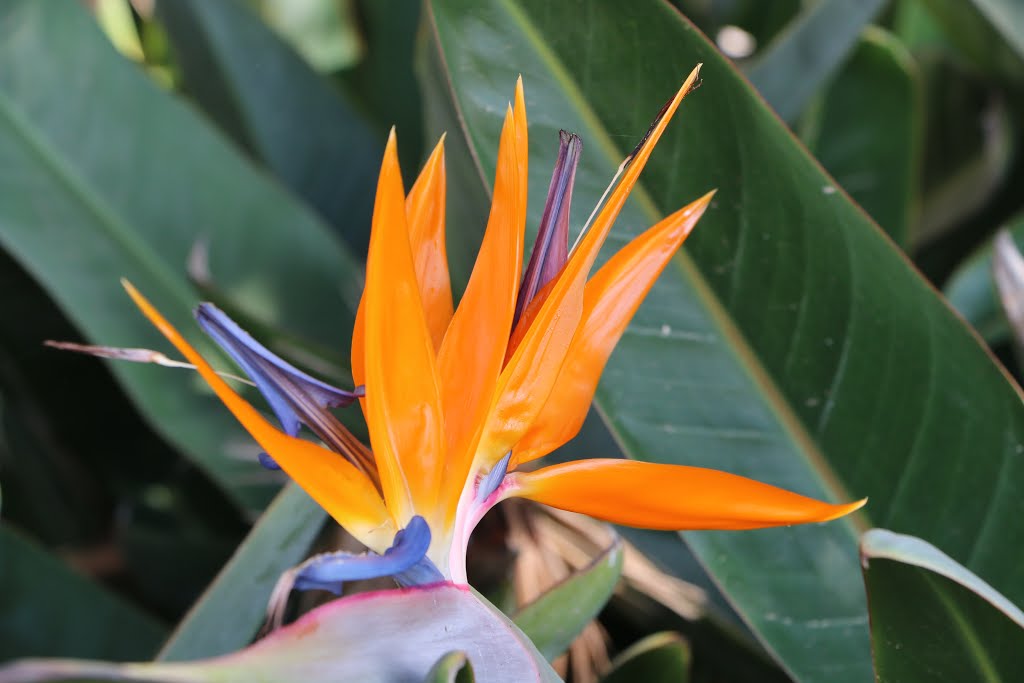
{"x": 295, "y": 397}
{"x": 405, "y": 559}
{"x": 492, "y": 480}
{"x": 551, "y": 250}
{"x": 268, "y": 462}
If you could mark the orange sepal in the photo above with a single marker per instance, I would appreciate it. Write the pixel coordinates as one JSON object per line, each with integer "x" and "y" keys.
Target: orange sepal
{"x": 403, "y": 403}
{"x": 669, "y": 497}
{"x": 540, "y": 349}
{"x": 425, "y": 209}
{"x": 610, "y": 299}
{"x": 327, "y": 477}
{"x": 473, "y": 349}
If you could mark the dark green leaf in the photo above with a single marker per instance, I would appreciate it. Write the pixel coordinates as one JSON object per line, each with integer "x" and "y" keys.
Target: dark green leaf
{"x": 48, "y": 610}
{"x": 789, "y": 342}
{"x": 280, "y": 110}
{"x": 232, "y": 609}
{"x": 866, "y": 131}
{"x": 808, "y": 51}
{"x": 116, "y": 178}
{"x": 658, "y": 658}
{"x": 932, "y": 619}
{"x": 553, "y": 620}
{"x": 988, "y": 32}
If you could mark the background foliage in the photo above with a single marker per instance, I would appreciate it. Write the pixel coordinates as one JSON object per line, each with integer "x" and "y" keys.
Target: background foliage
{"x": 865, "y": 153}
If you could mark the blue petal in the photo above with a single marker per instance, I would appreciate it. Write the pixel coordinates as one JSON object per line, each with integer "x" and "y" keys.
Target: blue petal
{"x": 267, "y": 461}
{"x": 295, "y": 397}
{"x": 406, "y": 559}
{"x": 551, "y": 249}
{"x": 282, "y": 384}
{"x": 492, "y": 480}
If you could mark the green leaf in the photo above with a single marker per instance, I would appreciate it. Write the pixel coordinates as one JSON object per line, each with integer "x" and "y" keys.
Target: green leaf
{"x": 801, "y": 58}
{"x": 46, "y": 609}
{"x": 990, "y": 33}
{"x": 866, "y": 131}
{"x": 553, "y": 620}
{"x": 117, "y": 178}
{"x": 230, "y": 612}
{"x": 286, "y": 115}
{"x": 658, "y": 658}
{"x": 934, "y": 620}
{"x": 454, "y": 667}
{"x": 790, "y": 341}
{"x": 971, "y": 289}
{"x": 378, "y": 637}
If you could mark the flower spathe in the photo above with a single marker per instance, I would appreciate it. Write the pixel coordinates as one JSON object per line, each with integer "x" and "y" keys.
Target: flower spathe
{"x": 457, "y": 400}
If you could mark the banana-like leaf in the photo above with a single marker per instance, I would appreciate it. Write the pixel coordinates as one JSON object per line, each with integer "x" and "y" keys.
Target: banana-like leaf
{"x": 47, "y": 609}
{"x": 808, "y": 51}
{"x": 932, "y": 619}
{"x": 790, "y": 341}
{"x": 290, "y": 118}
{"x": 988, "y": 32}
{"x": 866, "y": 131}
{"x": 105, "y": 175}
{"x": 381, "y": 637}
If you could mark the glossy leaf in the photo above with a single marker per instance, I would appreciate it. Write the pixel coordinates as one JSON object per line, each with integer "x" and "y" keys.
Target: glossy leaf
{"x": 808, "y": 51}
{"x": 932, "y": 619}
{"x": 866, "y": 131}
{"x": 658, "y": 658}
{"x": 553, "y": 620}
{"x": 790, "y": 342}
{"x": 47, "y": 609}
{"x": 132, "y": 179}
{"x": 380, "y": 637}
{"x": 231, "y": 611}
{"x": 971, "y": 289}
{"x": 301, "y": 126}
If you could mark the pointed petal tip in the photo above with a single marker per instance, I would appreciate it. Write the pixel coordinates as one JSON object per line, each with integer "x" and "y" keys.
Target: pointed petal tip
{"x": 842, "y": 510}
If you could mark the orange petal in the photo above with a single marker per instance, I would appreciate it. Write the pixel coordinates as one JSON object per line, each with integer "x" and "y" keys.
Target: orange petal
{"x": 403, "y": 403}
{"x": 542, "y": 338}
{"x": 610, "y": 299}
{"x": 425, "y": 209}
{"x": 671, "y": 497}
{"x": 327, "y": 477}
{"x": 473, "y": 349}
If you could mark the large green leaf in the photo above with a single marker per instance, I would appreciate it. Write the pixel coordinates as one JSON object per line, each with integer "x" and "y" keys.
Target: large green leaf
{"x": 46, "y": 609}
{"x": 789, "y": 342}
{"x": 658, "y": 658}
{"x": 289, "y": 117}
{"x": 109, "y": 176}
{"x": 232, "y": 609}
{"x": 803, "y": 56}
{"x": 932, "y": 619}
{"x": 866, "y": 131}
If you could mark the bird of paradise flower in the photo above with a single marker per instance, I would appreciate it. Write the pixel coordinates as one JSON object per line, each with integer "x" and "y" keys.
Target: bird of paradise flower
{"x": 458, "y": 401}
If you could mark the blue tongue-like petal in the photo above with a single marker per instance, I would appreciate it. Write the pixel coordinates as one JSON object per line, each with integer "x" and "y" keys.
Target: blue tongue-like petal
{"x": 295, "y": 397}
{"x": 551, "y": 250}
{"x": 268, "y": 370}
{"x": 405, "y": 560}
